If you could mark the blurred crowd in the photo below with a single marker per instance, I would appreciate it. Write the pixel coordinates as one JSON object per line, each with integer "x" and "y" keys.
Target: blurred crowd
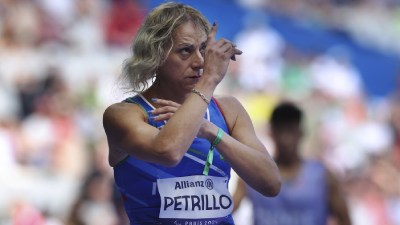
{"x": 59, "y": 63}
{"x": 371, "y": 22}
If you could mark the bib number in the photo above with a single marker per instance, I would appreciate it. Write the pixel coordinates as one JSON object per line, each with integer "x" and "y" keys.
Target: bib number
{"x": 194, "y": 197}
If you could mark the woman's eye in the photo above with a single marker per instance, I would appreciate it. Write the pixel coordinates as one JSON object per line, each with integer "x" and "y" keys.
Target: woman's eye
{"x": 185, "y": 50}
{"x": 202, "y": 50}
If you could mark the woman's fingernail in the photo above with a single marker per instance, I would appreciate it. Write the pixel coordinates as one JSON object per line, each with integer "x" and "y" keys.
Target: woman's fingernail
{"x": 150, "y": 111}
{"x": 152, "y": 117}
{"x": 154, "y": 99}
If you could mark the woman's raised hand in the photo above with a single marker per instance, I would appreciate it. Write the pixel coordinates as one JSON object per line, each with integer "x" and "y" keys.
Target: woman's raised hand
{"x": 217, "y": 55}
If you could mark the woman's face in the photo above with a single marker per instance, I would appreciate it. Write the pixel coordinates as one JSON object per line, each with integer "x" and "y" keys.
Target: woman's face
{"x": 183, "y": 66}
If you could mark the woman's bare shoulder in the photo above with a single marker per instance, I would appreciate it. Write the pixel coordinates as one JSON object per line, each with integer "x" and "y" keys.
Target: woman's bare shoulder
{"x": 230, "y": 107}
{"x": 228, "y": 102}
{"x": 120, "y": 110}
{"x": 118, "y": 118}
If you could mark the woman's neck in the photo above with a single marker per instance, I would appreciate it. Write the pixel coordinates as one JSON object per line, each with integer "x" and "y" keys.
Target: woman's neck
{"x": 163, "y": 92}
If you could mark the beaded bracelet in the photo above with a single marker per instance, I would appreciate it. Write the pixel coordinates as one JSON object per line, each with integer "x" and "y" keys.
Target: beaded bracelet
{"x": 210, "y": 155}
{"x": 201, "y": 95}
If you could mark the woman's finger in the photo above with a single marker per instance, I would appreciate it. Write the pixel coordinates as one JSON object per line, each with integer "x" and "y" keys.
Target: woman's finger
{"x": 160, "y": 117}
{"x": 165, "y": 102}
{"x": 211, "y": 35}
{"x": 164, "y": 109}
{"x": 235, "y": 52}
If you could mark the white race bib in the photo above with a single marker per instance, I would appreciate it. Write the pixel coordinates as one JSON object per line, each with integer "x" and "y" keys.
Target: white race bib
{"x": 194, "y": 197}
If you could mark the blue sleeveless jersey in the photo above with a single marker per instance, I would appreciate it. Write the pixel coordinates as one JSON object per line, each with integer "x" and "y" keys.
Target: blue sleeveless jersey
{"x": 137, "y": 180}
{"x": 301, "y": 201}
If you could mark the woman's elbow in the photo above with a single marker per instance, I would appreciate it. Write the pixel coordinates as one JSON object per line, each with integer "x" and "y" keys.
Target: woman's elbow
{"x": 272, "y": 188}
{"x": 169, "y": 158}
{"x": 171, "y": 161}
{"x": 275, "y": 189}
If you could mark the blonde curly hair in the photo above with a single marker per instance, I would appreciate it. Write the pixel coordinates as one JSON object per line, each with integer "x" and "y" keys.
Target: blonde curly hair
{"x": 154, "y": 40}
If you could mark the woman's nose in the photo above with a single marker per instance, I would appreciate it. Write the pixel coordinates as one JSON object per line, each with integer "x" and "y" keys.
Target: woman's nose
{"x": 198, "y": 60}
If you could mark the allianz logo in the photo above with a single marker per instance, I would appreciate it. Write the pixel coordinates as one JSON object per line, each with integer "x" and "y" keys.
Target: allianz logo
{"x": 208, "y": 183}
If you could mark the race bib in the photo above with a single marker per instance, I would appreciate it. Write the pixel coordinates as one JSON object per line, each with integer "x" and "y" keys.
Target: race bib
{"x": 194, "y": 197}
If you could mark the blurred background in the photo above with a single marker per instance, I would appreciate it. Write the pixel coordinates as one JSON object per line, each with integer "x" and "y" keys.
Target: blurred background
{"x": 60, "y": 59}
